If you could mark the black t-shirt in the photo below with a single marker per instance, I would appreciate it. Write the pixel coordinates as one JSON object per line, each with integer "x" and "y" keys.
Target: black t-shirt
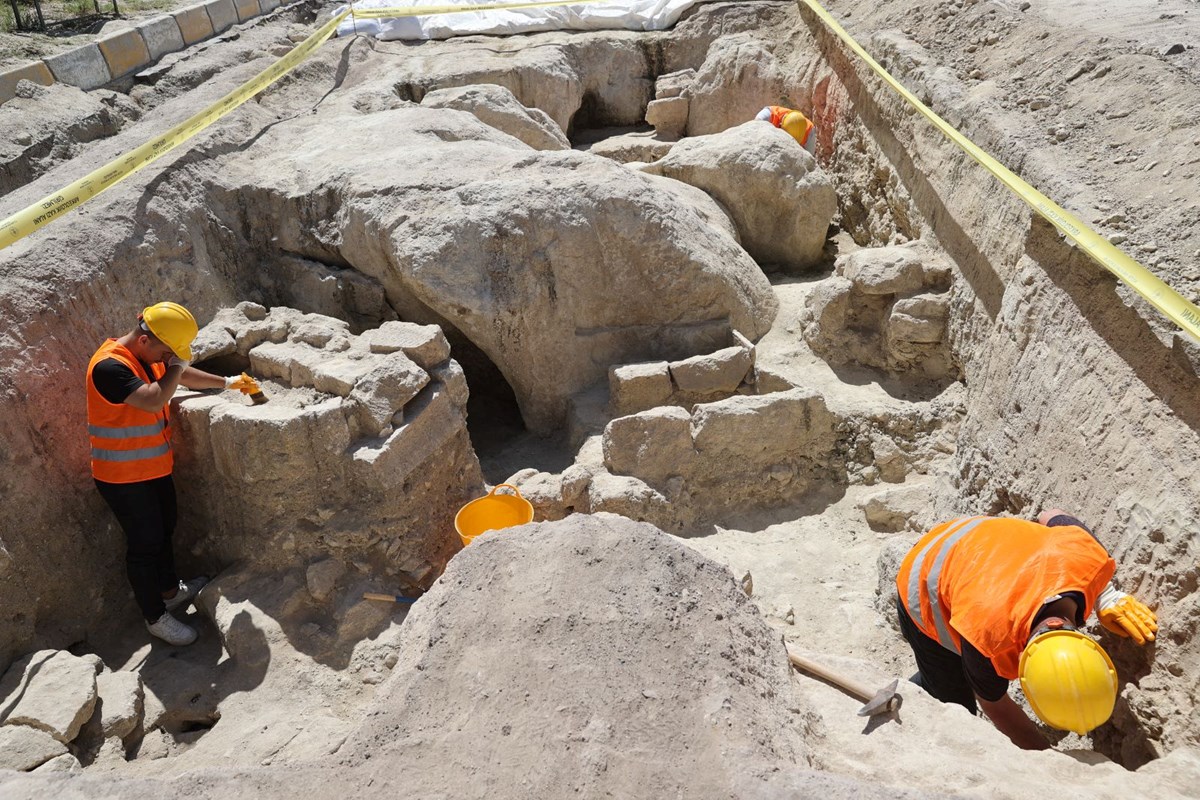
{"x": 982, "y": 676}
{"x": 115, "y": 381}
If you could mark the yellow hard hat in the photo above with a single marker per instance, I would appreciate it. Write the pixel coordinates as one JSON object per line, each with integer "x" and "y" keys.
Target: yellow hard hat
{"x": 174, "y": 325}
{"x": 798, "y": 126}
{"x": 1070, "y": 681}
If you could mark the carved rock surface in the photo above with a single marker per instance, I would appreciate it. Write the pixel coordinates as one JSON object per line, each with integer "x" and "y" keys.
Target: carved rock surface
{"x": 497, "y": 106}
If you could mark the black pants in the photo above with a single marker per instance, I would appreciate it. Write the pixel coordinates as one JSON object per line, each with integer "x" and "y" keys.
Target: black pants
{"x": 146, "y": 512}
{"x": 939, "y": 671}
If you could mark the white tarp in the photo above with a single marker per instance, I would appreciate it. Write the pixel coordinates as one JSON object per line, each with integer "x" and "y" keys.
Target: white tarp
{"x": 632, "y": 15}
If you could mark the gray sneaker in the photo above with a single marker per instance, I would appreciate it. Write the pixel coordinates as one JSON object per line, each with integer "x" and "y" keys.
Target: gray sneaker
{"x": 171, "y": 630}
{"x": 186, "y": 594}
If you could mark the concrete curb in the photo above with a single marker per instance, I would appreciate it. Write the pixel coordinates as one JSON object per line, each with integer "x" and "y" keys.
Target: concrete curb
{"x": 36, "y": 71}
{"x": 124, "y": 53}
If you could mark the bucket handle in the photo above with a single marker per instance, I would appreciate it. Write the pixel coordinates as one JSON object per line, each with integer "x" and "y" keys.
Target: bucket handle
{"x": 499, "y": 486}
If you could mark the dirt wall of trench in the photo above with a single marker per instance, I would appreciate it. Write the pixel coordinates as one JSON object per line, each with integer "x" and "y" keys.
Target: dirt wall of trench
{"x": 1079, "y": 394}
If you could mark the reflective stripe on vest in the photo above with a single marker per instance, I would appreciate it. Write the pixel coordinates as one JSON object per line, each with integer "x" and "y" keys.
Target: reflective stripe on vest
{"x": 126, "y": 433}
{"x": 131, "y": 455}
{"x": 944, "y": 542}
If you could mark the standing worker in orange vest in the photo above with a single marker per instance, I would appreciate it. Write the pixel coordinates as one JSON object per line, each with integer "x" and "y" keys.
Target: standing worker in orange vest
{"x": 986, "y": 600}
{"x": 130, "y": 382}
{"x": 789, "y": 119}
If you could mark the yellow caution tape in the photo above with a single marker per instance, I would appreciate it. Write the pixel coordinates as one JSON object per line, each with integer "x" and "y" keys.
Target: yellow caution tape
{"x": 408, "y": 11}
{"x": 57, "y": 204}
{"x": 1178, "y": 309}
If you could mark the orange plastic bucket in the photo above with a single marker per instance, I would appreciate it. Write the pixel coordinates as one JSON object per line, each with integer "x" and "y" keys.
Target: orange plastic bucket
{"x": 492, "y": 513}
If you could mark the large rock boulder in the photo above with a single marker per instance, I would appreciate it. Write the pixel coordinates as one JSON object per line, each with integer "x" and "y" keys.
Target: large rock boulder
{"x": 780, "y": 200}
{"x": 499, "y": 107}
{"x": 50, "y": 690}
{"x": 522, "y": 253}
{"x": 738, "y": 77}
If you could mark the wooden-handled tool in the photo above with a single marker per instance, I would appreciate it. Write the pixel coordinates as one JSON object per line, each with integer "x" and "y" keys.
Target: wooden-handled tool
{"x": 884, "y": 701}
{"x": 389, "y": 598}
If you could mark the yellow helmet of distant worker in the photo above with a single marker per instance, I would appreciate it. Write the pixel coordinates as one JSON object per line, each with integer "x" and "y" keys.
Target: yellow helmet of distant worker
{"x": 173, "y": 325}
{"x": 799, "y": 126}
{"x": 1070, "y": 681}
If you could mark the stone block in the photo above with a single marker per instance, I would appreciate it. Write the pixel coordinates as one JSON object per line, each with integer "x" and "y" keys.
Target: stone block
{"x": 246, "y": 9}
{"x": 896, "y": 269}
{"x": 654, "y": 445}
{"x": 84, "y": 67}
{"x": 277, "y": 442}
{"x": 668, "y": 116}
{"x": 386, "y": 389}
{"x": 674, "y": 84}
{"x": 269, "y": 5}
{"x": 65, "y": 763}
{"x": 455, "y": 380}
{"x": 722, "y": 371}
{"x": 432, "y": 422}
{"x": 920, "y": 319}
{"x": 211, "y": 342}
{"x": 318, "y": 330}
{"x": 50, "y": 690}
{"x": 36, "y": 71}
{"x": 763, "y": 429}
{"x": 23, "y": 748}
{"x": 424, "y": 344}
{"x": 639, "y": 387}
{"x": 337, "y": 375}
{"x": 124, "y": 52}
{"x": 120, "y": 702}
{"x": 194, "y": 24}
{"x": 290, "y": 362}
{"x": 322, "y": 576}
{"x": 223, "y": 14}
{"x": 162, "y": 36}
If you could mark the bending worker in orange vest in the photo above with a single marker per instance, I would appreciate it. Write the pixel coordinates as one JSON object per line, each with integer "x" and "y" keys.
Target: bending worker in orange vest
{"x": 985, "y": 600}
{"x": 792, "y": 121}
{"x": 129, "y": 384}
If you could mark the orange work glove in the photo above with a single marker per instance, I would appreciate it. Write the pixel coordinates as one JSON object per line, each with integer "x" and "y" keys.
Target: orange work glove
{"x": 1125, "y": 616}
{"x": 242, "y": 383}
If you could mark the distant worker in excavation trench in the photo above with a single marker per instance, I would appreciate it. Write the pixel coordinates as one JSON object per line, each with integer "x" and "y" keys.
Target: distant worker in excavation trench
{"x": 793, "y": 122}
{"x": 130, "y": 382}
{"x": 985, "y": 600}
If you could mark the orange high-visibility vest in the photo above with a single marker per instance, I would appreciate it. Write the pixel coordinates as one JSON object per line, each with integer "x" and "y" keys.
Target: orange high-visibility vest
{"x": 984, "y": 579}
{"x": 778, "y": 113}
{"x": 128, "y": 444}
{"x": 799, "y": 126}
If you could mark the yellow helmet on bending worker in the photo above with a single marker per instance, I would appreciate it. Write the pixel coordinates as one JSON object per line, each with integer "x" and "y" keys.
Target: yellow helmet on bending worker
{"x": 795, "y": 123}
{"x": 985, "y": 600}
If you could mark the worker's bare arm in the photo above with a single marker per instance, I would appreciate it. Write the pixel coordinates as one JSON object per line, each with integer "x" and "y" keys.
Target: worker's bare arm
{"x": 1013, "y": 722}
{"x": 152, "y": 397}
{"x": 199, "y": 379}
